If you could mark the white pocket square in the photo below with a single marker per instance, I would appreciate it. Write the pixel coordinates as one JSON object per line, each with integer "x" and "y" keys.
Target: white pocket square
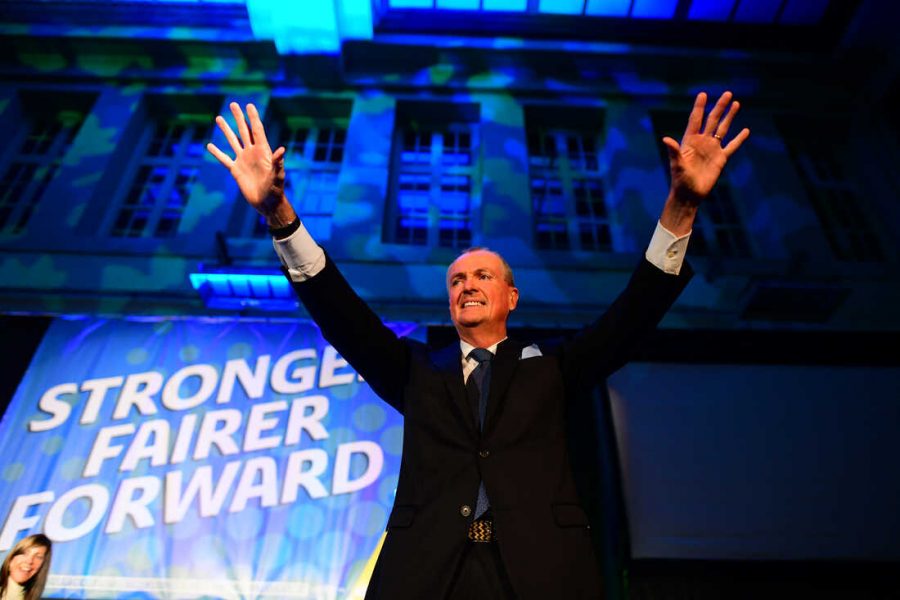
{"x": 530, "y": 352}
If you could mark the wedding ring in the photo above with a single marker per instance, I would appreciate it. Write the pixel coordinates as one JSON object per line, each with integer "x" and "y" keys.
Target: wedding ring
{"x": 717, "y": 136}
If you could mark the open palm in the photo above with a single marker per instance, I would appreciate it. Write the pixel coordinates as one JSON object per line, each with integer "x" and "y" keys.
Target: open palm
{"x": 697, "y": 162}
{"x": 258, "y": 171}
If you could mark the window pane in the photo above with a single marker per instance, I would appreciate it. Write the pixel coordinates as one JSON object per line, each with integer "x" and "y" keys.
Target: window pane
{"x": 46, "y": 136}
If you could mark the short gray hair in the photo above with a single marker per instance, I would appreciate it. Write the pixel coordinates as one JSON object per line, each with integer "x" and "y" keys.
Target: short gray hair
{"x": 507, "y": 270}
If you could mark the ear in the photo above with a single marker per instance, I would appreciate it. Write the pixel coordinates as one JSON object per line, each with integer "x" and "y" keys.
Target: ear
{"x": 513, "y": 298}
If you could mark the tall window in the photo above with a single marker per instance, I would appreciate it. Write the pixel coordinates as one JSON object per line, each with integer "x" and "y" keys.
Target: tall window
{"x": 719, "y": 229}
{"x": 435, "y": 183}
{"x": 314, "y": 136}
{"x": 835, "y": 198}
{"x": 42, "y": 139}
{"x": 566, "y": 179}
{"x": 169, "y": 152}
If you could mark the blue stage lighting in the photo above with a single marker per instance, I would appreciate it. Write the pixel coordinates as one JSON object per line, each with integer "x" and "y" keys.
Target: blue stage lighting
{"x": 411, "y": 3}
{"x": 654, "y": 9}
{"x": 310, "y": 27}
{"x": 711, "y": 10}
{"x": 506, "y": 5}
{"x": 608, "y": 8}
{"x": 458, "y": 4}
{"x": 237, "y": 289}
{"x": 561, "y": 7}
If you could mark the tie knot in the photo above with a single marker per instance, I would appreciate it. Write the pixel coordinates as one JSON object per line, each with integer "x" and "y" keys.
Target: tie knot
{"x": 481, "y": 355}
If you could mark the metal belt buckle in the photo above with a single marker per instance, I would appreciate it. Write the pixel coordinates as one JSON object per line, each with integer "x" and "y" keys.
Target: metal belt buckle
{"x": 481, "y": 531}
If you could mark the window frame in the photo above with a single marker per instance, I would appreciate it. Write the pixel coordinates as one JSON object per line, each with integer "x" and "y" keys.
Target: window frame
{"x": 44, "y": 165}
{"x": 562, "y": 168}
{"x": 453, "y": 120}
{"x": 173, "y": 165}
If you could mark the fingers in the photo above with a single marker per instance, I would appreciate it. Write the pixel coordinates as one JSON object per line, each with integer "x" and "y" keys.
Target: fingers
{"x": 672, "y": 147}
{"x": 229, "y": 135}
{"x": 256, "y": 126}
{"x": 278, "y": 155}
{"x": 734, "y": 144}
{"x": 712, "y": 121}
{"x": 246, "y": 139}
{"x": 696, "y": 117}
{"x": 722, "y": 129}
{"x": 221, "y": 156}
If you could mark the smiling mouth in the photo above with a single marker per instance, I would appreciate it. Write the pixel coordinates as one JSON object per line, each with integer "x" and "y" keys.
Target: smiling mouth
{"x": 471, "y": 303}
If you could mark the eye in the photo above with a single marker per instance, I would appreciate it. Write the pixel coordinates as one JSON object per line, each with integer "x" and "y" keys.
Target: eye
{"x": 485, "y": 276}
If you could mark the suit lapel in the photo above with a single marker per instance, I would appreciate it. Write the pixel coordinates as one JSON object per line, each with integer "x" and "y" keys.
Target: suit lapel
{"x": 448, "y": 361}
{"x": 504, "y": 366}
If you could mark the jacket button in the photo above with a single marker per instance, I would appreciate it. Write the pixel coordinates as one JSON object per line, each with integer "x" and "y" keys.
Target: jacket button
{"x": 465, "y": 510}
{"x": 484, "y": 453}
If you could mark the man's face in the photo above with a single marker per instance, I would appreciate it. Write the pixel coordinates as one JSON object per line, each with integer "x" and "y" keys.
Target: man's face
{"x": 479, "y": 294}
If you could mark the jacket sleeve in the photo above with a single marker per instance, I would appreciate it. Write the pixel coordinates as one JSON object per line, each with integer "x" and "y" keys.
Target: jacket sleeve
{"x": 358, "y": 334}
{"x": 608, "y": 343}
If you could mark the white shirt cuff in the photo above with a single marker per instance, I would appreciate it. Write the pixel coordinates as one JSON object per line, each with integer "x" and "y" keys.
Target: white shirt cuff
{"x": 666, "y": 250}
{"x": 300, "y": 254}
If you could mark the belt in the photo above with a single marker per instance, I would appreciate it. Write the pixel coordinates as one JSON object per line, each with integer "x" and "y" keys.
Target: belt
{"x": 482, "y": 530}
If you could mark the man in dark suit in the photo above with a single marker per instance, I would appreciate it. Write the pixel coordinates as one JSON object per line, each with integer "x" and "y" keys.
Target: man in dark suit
{"x": 486, "y": 506}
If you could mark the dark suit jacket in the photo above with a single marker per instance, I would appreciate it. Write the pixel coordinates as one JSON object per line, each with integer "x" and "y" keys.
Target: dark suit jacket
{"x": 521, "y": 455}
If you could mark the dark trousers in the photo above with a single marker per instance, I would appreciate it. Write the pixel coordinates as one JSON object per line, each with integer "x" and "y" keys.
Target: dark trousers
{"x": 481, "y": 575}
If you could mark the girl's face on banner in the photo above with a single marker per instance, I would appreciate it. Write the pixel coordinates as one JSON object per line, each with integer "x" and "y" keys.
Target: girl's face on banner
{"x": 23, "y": 566}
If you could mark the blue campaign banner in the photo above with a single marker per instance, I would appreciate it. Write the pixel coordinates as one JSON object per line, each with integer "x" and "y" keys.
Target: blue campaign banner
{"x": 198, "y": 458}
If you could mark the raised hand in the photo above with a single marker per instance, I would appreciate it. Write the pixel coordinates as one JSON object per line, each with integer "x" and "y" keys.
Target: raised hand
{"x": 258, "y": 171}
{"x": 698, "y": 160}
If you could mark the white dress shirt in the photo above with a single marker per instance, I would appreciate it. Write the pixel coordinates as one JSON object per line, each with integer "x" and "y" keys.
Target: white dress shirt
{"x": 469, "y": 364}
{"x": 304, "y": 258}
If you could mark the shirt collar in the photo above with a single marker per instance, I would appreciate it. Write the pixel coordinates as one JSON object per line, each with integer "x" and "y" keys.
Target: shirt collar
{"x": 466, "y": 347}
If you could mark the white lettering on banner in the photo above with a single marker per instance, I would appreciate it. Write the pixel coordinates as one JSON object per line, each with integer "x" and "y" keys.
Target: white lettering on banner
{"x": 98, "y": 497}
{"x": 292, "y": 373}
{"x": 96, "y": 389}
{"x": 312, "y": 422}
{"x": 253, "y": 382}
{"x": 102, "y": 448}
{"x": 183, "y": 439}
{"x": 302, "y": 378}
{"x": 295, "y": 477}
{"x": 134, "y": 444}
{"x": 257, "y": 423}
{"x": 51, "y": 404}
{"x": 331, "y": 362}
{"x": 267, "y": 488}
{"x": 126, "y": 505}
{"x": 18, "y": 521}
{"x": 138, "y": 392}
{"x": 219, "y": 430}
{"x": 141, "y": 447}
{"x": 342, "y": 483}
{"x": 139, "y": 498}
{"x": 210, "y": 498}
{"x": 209, "y": 377}
{"x": 222, "y": 438}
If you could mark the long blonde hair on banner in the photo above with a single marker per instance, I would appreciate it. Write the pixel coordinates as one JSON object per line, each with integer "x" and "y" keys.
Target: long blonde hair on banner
{"x": 34, "y": 587}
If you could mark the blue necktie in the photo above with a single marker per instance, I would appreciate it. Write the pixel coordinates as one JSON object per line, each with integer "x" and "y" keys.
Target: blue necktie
{"x": 481, "y": 378}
